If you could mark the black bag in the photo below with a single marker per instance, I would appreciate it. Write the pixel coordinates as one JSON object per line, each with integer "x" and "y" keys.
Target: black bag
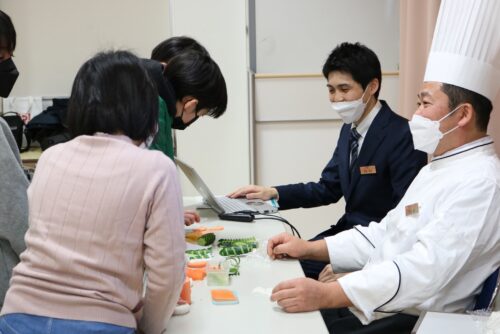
{"x": 48, "y": 127}
{"x": 16, "y": 125}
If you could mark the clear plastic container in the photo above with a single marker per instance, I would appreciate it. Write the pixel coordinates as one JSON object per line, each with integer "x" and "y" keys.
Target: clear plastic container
{"x": 217, "y": 273}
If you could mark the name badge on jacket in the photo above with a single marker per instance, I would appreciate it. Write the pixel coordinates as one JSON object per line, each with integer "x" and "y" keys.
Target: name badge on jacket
{"x": 411, "y": 209}
{"x": 367, "y": 170}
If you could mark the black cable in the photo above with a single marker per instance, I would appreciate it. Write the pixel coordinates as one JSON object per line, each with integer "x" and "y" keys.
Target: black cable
{"x": 281, "y": 219}
{"x": 274, "y": 217}
{"x": 294, "y": 230}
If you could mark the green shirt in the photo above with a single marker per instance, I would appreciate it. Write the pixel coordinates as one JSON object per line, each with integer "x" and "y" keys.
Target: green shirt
{"x": 163, "y": 139}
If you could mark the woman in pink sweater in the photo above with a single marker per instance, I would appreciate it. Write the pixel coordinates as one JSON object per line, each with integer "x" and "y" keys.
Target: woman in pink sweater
{"x": 102, "y": 211}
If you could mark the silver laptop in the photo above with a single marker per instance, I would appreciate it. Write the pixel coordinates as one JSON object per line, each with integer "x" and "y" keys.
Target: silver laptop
{"x": 222, "y": 204}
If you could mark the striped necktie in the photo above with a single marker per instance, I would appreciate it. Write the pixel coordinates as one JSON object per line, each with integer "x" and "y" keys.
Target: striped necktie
{"x": 354, "y": 147}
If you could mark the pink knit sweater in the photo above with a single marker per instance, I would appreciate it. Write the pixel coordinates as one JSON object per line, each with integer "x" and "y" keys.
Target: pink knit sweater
{"x": 101, "y": 209}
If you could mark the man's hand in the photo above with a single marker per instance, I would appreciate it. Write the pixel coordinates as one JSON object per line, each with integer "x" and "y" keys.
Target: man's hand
{"x": 327, "y": 275}
{"x": 300, "y": 295}
{"x": 284, "y": 244}
{"x": 307, "y": 294}
{"x": 255, "y": 192}
{"x": 191, "y": 217}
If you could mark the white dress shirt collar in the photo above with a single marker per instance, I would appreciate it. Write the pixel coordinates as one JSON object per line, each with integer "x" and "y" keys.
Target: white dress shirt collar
{"x": 365, "y": 124}
{"x": 363, "y": 127}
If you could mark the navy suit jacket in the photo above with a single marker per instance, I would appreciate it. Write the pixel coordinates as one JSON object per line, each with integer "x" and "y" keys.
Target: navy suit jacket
{"x": 388, "y": 146}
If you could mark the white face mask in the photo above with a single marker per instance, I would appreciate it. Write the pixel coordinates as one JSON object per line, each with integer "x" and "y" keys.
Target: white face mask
{"x": 426, "y": 134}
{"x": 350, "y": 111}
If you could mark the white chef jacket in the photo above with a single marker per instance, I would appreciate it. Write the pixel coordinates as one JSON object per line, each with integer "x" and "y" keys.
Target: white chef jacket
{"x": 437, "y": 257}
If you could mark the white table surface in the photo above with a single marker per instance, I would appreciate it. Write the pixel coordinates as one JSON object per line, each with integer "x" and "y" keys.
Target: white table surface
{"x": 255, "y": 313}
{"x": 441, "y": 323}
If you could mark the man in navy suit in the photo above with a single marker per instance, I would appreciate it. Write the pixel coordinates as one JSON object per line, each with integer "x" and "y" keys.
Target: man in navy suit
{"x": 374, "y": 161}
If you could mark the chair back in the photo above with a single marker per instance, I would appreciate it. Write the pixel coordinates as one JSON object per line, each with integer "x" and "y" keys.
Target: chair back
{"x": 488, "y": 293}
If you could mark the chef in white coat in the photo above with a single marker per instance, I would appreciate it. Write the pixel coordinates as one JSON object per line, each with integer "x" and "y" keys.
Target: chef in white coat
{"x": 436, "y": 248}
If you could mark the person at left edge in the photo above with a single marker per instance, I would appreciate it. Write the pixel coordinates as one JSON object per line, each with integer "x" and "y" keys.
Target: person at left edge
{"x": 13, "y": 181}
{"x": 8, "y": 70}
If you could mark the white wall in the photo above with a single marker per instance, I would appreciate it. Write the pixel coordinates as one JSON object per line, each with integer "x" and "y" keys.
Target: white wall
{"x": 294, "y": 36}
{"x": 219, "y": 149}
{"x": 55, "y": 37}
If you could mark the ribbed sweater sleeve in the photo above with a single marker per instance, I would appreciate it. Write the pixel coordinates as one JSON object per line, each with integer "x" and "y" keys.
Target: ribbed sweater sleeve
{"x": 163, "y": 255}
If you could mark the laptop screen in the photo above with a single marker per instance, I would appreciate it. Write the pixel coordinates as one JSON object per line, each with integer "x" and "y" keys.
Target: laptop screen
{"x": 198, "y": 183}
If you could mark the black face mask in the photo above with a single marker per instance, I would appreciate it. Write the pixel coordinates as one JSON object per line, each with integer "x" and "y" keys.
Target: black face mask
{"x": 179, "y": 124}
{"x": 8, "y": 76}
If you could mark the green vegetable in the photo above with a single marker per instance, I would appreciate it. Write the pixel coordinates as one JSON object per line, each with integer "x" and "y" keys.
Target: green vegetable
{"x": 205, "y": 253}
{"x": 206, "y": 239}
{"x": 236, "y": 250}
{"x": 234, "y": 262}
{"x": 251, "y": 242}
